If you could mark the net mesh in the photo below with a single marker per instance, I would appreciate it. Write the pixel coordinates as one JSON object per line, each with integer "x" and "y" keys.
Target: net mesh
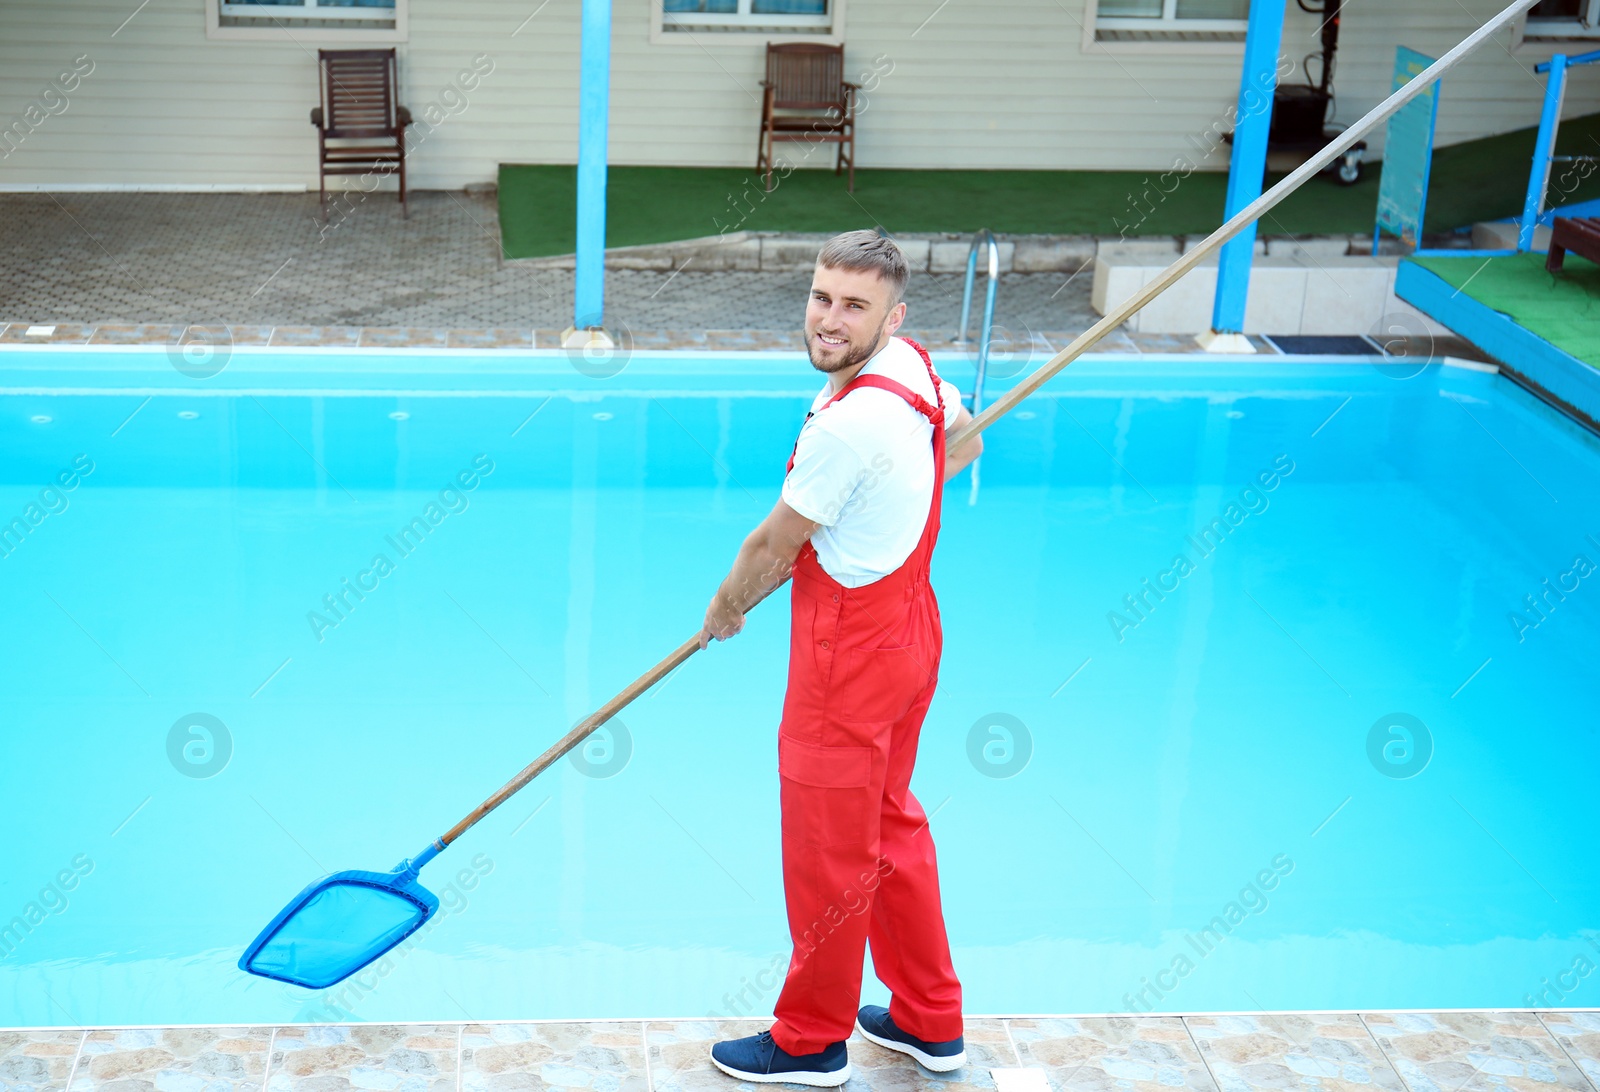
{"x": 341, "y": 928}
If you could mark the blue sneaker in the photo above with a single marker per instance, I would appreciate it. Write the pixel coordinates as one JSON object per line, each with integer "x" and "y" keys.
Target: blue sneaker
{"x": 877, "y": 1027}
{"x": 758, "y": 1058}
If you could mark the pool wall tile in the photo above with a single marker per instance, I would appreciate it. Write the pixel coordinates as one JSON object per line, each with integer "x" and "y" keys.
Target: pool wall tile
{"x": 173, "y": 1060}
{"x": 135, "y": 334}
{"x": 402, "y": 337}
{"x": 669, "y": 339}
{"x": 250, "y": 335}
{"x": 657, "y": 339}
{"x": 1042, "y": 345}
{"x": 1138, "y": 1054}
{"x": 940, "y": 340}
{"x": 1165, "y": 344}
{"x": 489, "y": 339}
{"x": 1579, "y": 1035}
{"x": 376, "y": 1057}
{"x": 1323, "y": 1053}
{"x": 1474, "y": 1052}
{"x": 37, "y": 1061}
{"x": 77, "y": 333}
{"x": 600, "y": 1057}
{"x": 1117, "y": 341}
{"x": 346, "y": 336}
{"x": 752, "y": 340}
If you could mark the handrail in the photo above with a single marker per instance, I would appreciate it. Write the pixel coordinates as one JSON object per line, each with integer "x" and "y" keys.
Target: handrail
{"x": 1571, "y": 62}
{"x": 984, "y": 236}
{"x": 1544, "y": 157}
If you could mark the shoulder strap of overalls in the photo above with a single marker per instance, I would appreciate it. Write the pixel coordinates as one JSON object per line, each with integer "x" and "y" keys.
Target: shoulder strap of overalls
{"x": 933, "y": 411}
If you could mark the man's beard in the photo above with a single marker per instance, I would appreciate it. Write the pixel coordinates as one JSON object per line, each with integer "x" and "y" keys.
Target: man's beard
{"x": 854, "y": 355}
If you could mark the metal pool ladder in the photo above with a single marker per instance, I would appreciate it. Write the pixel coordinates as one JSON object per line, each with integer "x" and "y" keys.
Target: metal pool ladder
{"x": 984, "y": 239}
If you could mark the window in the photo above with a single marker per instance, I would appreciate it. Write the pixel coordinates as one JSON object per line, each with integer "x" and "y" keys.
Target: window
{"x": 301, "y": 10}
{"x": 326, "y": 20}
{"x": 1555, "y": 19}
{"x": 763, "y": 16}
{"x": 1156, "y": 20}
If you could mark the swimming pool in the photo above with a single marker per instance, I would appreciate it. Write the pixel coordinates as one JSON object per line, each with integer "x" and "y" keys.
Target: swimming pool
{"x": 1236, "y": 709}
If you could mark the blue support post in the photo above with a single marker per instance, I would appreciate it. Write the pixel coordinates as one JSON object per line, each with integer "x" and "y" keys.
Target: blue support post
{"x": 594, "y": 102}
{"x": 1257, "y": 83}
{"x": 1544, "y": 147}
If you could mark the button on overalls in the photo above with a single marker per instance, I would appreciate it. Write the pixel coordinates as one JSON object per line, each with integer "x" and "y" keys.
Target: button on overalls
{"x": 858, "y": 859}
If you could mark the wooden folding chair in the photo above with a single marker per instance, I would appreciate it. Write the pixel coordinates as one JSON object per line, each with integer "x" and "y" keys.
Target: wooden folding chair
{"x": 805, "y": 81}
{"x": 360, "y": 126}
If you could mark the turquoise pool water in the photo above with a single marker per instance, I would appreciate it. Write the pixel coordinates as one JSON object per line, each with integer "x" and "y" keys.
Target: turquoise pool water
{"x": 1326, "y": 738}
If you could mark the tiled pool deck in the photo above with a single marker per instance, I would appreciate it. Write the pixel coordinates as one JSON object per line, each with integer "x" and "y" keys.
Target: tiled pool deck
{"x": 264, "y": 261}
{"x": 1387, "y": 1052}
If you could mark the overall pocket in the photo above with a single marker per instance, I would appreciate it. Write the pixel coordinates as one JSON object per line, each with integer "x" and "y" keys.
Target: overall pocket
{"x": 879, "y": 684}
{"x": 825, "y": 791}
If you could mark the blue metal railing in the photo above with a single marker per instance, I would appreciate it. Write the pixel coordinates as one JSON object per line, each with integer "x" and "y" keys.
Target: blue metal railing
{"x": 983, "y": 240}
{"x": 1544, "y": 157}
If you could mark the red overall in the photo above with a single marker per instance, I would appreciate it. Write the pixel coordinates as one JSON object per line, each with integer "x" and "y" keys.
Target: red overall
{"x": 858, "y": 859}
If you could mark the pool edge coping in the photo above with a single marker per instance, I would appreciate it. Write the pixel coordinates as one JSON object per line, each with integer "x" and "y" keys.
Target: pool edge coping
{"x": 1175, "y": 1014}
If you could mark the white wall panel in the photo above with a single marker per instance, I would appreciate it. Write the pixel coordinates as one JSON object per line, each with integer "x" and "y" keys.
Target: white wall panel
{"x": 981, "y": 84}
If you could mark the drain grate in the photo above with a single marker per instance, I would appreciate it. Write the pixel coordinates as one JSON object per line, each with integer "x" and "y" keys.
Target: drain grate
{"x": 1324, "y": 345}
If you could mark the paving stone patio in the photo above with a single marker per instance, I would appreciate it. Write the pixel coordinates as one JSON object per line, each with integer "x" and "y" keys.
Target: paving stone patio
{"x": 266, "y": 260}
{"x": 1334, "y": 1052}
{"x": 143, "y": 268}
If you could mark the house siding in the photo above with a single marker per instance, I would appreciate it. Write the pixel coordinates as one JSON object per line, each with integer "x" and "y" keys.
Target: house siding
{"x": 969, "y": 84}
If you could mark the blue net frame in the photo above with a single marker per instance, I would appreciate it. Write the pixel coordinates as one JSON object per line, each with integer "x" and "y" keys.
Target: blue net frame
{"x": 338, "y": 925}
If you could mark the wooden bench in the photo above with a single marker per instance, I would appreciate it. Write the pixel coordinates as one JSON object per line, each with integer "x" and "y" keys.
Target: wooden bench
{"x": 1579, "y": 234}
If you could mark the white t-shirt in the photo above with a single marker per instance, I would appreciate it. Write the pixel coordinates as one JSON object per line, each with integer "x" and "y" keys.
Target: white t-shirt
{"x": 863, "y": 468}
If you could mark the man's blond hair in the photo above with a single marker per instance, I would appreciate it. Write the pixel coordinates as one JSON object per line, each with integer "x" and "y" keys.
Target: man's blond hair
{"x": 867, "y": 251}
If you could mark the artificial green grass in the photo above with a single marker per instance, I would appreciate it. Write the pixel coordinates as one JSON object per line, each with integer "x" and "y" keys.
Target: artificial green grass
{"x": 1563, "y": 308}
{"x": 1478, "y": 180}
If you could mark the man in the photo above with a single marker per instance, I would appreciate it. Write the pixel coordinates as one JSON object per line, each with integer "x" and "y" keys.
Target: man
{"x": 855, "y": 525}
